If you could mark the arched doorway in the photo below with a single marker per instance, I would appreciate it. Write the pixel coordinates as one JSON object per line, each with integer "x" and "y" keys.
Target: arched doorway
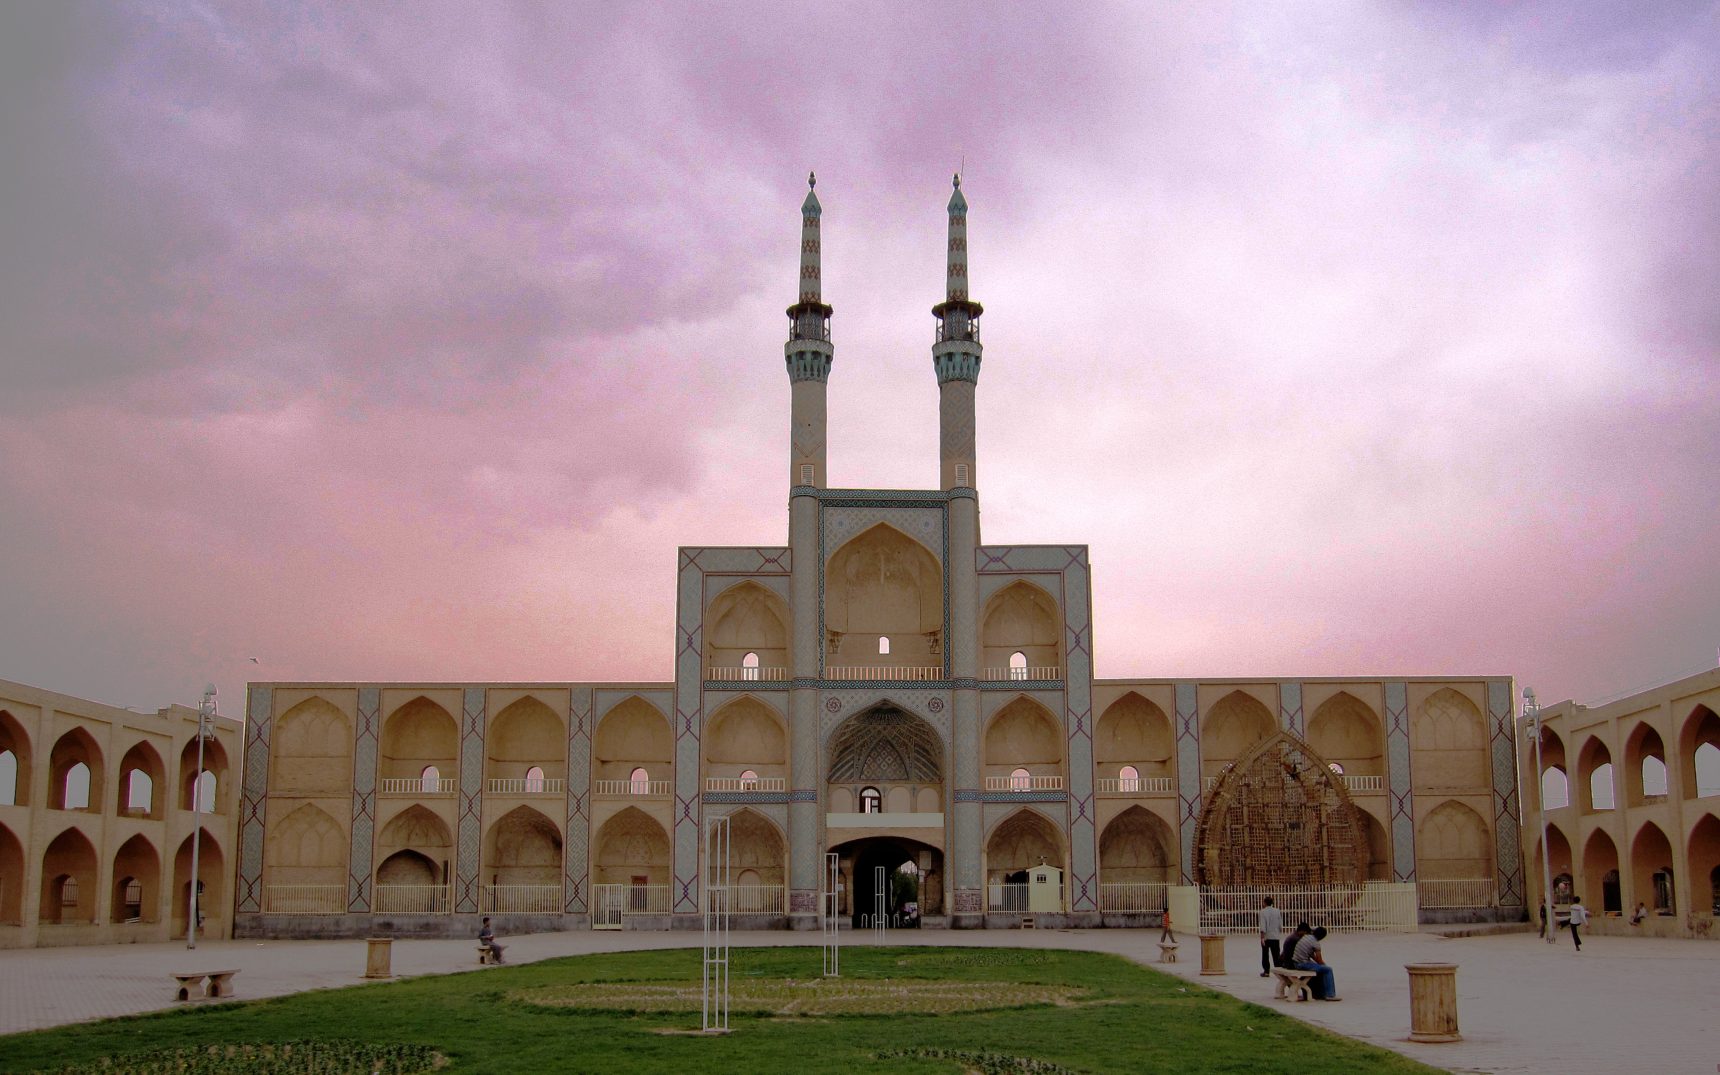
{"x": 913, "y": 880}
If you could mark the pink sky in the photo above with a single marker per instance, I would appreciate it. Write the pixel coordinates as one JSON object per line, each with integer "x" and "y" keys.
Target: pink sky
{"x": 1354, "y": 339}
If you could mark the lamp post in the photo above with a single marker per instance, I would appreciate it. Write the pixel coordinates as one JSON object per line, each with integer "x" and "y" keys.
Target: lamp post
{"x": 205, "y": 712}
{"x": 1532, "y": 724}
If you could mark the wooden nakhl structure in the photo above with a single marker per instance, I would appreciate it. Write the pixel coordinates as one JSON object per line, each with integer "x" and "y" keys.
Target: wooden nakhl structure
{"x": 1281, "y": 817}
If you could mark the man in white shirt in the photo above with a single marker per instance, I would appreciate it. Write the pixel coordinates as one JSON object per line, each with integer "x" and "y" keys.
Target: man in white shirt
{"x": 1579, "y": 917}
{"x": 1271, "y": 937}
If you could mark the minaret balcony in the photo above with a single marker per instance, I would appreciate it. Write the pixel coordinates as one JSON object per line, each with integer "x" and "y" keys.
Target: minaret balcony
{"x": 949, "y": 329}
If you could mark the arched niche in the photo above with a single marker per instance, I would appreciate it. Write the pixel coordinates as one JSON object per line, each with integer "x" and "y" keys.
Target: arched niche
{"x": 1134, "y": 731}
{"x": 1651, "y": 868}
{"x": 882, "y": 584}
{"x": 745, "y": 735}
{"x": 69, "y": 869}
{"x": 523, "y": 847}
{"x": 311, "y": 751}
{"x": 1448, "y": 740}
{"x": 417, "y": 735}
{"x": 137, "y": 882}
{"x": 1137, "y": 847}
{"x": 631, "y": 848}
{"x": 1023, "y": 734}
{"x": 142, "y": 783}
{"x": 886, "y": 747}
{"x": 11, "y": 878}
{"x": 1704, "y": 862}
{"x": 215, "y": 784}
{"x": 1644, "y": 765}
{"x": 747, "y": 618}
{"x": 421, "y": 832}
{"x": 1558, "y": 845}
{"x": 1345, "y": 730}
{"x": 1280, "y": 816}
{"x": 635, "y": 734}
{"x": 212, "y": 872}
{"x": 1021, "y": 618}
{"x": 16, "y": 741}
{"x": 1236, "y": 724}
{"x": 1018, "y": 843}
{"x": 1378, "y": 843}
{"x": 307, "y": 847}
{"x": 1699, "y": 753}
{"x": 1594, "y": 785}
{"x": 1600, "y": 861}
{"x": 524, "y": 735}
{"x": 1453, "y": 842}
{"x": 84, "y": 786}
{"x": 756, "y": 849}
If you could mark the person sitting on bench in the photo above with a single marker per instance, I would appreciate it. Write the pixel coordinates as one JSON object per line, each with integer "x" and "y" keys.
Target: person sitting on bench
{"x": 487, "y": 939}
{"x": 1309, "y": 957}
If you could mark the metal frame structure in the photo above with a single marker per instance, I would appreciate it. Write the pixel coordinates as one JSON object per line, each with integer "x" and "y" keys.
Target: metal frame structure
{"x": 830, "y": 914}
{"x": 880, "y": 901}
{"x": 714, "y": 899}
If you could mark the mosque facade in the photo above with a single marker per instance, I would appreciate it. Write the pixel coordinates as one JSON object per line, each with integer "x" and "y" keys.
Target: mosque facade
{"x": 885, "y": 690}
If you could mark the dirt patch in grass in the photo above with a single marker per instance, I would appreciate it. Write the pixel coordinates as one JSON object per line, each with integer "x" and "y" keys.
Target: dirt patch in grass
{"x": 813, "y": 996}
{"x": 268, "y": 1058}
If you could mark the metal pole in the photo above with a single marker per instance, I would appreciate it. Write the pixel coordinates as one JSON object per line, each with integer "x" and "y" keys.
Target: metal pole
{"x": 1532, "y": 711}
{"x": 205, "y": 710}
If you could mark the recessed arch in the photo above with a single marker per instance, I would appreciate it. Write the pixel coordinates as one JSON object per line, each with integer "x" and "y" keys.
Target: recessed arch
{"x": 1600, "y": 863}
{"x": 526, "y": 733}
{"x": 69, "y": 869}
{"x": 747, "y": 619}
{"x": 1454, "y": 842}
{"x": 212, "y": 779}
{"x": 756, "y": 848}
{"x": 76, "y": 774}
{"x": 307, "y": 847}
{"x": 137, "y": 882}
{"x": 1021, "y": 841}
{"x": 886, "y": 743}
{"x": 417, "y": 735}
{"x": 1346, "y": 731}
{"x": 1448, "y": 738}
{"x": 14, "y": 740}
{"x": 1704, "y": 862}
{"x": 883, "y": 583}
{"x": 1021, "y": 618}
{"x": 1377, "y": 843}
{"x": 634, "y": 734}
{"x": 142, "y": 782}
{"x": 1595, "y": 775}
{"x": 212, "y": 875}
{"x": 1651, "y": 867}
{"x": 629, "y": 846}
{"x": 311, "y": 750}
{"x": 1023, "y": 734}
{"x": 1234, "y": 726}
{"x": 746, "y": 732}
{"x": 1699, "y": 751}
{"x": 1137, "y": 847}
{"x": 11, "y": 878}
{"x": 1134, "y": 731}
{"x": 523, "y": 847}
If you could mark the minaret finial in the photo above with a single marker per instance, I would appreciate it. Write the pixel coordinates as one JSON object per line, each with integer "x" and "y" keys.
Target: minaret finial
{"x": 956, "y": 181}
{"x": 811, "y": 180}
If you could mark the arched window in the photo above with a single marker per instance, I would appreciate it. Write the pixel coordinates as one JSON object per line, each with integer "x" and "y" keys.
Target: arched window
{"x": 68, "y": 891}
{"x": 430, "y": 780}
{"x": 1128, "y": 778}
{"x": 640, "y": 782}
{"x": 1653, "y": 776}
{"x": 1707, "y": 771}
{"x": 9, "y": 778}
{"x": 534, "y": 779}
{"x": 1601, "y": 787}
{"x": 749, "y": 780}
{"x": 1555, "y": 790}
{"x": 871, "y": 802}
{"x": 1336, "y": 768}
{"x": 131, "y": 898}
{"x": 204, "y": 790}
{"x": 1020, "y": 780}
{"x": 139, "y": 790}
{"x": 884, "y": 645}
{"x": 77, "y": 795}
{"x": 1018, "y": 665}
{"x": 749, "y": 666}
{"x": 1662, "y": 882}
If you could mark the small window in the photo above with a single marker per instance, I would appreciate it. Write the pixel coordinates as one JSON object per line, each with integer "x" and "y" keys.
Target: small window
{"x": 1336, "y": 768}
{"x": 534, "y": 779}
{"x": 1020, "y": 780}
{"x": 68, "y": 891}
{"x": 871, "y": 802}
{"x": 77, "y": 787}
{"x": 749, "y": 666}
{"x": 430, "y": 780}
{"x": 8, "y": 778}
{"x": 961, "y": 473}
{"x": 749, "y": 781}
{"x": 140, "y": 790}
{"x": 1653, "y": 776}
{"x": 640, "y": 782}
{"x": 203, "y": 792}
{"x": 1018, "y": 666}
{"x": 806, "y": 473}
{"x": 884, "y": 645}
{"x": 1128, "y": 778}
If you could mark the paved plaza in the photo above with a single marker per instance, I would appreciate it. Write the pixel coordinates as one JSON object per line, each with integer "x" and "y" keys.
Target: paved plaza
{"x": 1625, "y": 1004}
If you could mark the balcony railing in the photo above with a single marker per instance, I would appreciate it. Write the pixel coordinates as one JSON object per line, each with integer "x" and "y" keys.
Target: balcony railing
{"x": 1458, "y": 892}
{"x": 520, "y": 899}
{"x": 1134, "y": 785}
{"x": 910, "y": 672}
{"x": 1038, "y": 671}
{"x": 730, "y": 674}
{"x": 1132, "y": 897}
{"x": 304, "y": 899}
{"x": 415, "y": 785}
{"x": 1014, "y": 896}
{"x": 1360, "y": 782}
{"x": 746, "y": 783}
{"x": 413, "y": 899}
{"x": 642, "y": 789}
{"x": 526, "y": 786}
{"x": 946, "y": 332}
{"x": 749, "y": 899}
{"x": 1024, "y": 783}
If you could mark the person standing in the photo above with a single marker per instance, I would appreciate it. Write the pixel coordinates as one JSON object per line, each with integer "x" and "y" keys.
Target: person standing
{"x": 1579, "y": 917}
{"x": 1271, "y": 937}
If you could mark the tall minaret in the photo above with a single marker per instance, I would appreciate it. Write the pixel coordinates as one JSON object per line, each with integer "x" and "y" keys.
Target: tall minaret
{"x": 956, "y": 356}
{"x": 808, "y": 353}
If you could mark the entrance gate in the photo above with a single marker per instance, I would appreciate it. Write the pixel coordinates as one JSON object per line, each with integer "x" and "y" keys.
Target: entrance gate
{"x": 607, "y": 904}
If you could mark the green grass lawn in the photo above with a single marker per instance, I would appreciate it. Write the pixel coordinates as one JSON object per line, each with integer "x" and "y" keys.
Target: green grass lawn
{"x": 944, "y": 1010}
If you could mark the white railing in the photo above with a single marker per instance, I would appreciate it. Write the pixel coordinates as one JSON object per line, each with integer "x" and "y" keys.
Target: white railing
{"x": 610, "y": 903}
{"x": 417, "y": 785}
{"x": 914, "y": 673}
{"x": 304, "y": 899}
{"x": 1359, "y": 782}
{"x": 646, "y": 899}
{"x": 1374, "y": 907}
{"x": 1132, "y": 897}
{"x": 526, "y": 786}
{"x": 520, "y": 899}
{"x": 413, "y": 899}
{"x": 1010, "y": 897}
{"x": 1041, "y": 671}
{"x": 728, "y": 674}
{"x": 644, "y": 789}
{"x": 753, "y": 899}
{"x": 1456, "y": 892}
{"x": 746, "y": 783}
{"x": 1134, "y": 785}
{"x": 1024, "y": 783}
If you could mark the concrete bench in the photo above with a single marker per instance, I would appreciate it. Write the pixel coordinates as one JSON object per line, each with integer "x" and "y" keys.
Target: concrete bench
{"x": 1167, "y": 952}
{"x": 220, "y": 983}
{"x": 1292, "y": 983}
{"x": 490, "y": 953}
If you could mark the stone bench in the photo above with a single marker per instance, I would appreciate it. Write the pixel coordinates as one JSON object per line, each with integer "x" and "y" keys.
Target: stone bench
{"x": 1167, "y": 952}
{"x": 1292, "y": 983}
{"x": 490, "y": 953}
{"x": 220, "y": 983}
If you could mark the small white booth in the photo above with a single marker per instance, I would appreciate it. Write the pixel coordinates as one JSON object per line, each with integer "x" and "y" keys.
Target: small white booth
{"x": 1045, "y": 889}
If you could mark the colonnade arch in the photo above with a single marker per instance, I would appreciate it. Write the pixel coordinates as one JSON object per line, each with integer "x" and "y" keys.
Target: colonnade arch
{"x": 1699, "y": 751}
{"x": 214, "y": 775}
{"x": 1651, "y": 868}
{"x": 1644, "y": 764}
{"x": 1595, "y": 776}
{"x": 1705, "y": 866}
{"x": 1600, "y": 863}
{"x": 136, "y": 863}
{"x": 417, "y": 735}
{"x": 635, "y": 734}
{"x": 142, "y": 782}
{"x": 415, "y": 847}
{"x": 1024, "y": 734}
{"x": 11, "y": 878}
{"x": 1021, "y": 841}
{"x": 523, "y": 847}
{"x": 14, "y": 740}
{"x": 69, "y": 870}
{"x": 1137, "y": 847}
{"x": 631, "y": 848}
{"x": 211, "y": 871}
{"x": 72, "y": 788}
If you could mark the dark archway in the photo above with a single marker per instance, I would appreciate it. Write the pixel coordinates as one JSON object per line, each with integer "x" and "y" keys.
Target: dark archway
{"x": 913, "y": 892}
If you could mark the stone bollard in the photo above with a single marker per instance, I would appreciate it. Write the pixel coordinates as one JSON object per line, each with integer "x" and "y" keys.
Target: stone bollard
{"x": 1212, "y": 953}
{"x": 1433, "y": 1002}
{"x": 378, "y": 958}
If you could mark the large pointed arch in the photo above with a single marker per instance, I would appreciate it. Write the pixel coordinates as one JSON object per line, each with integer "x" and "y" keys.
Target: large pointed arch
{"x": 1133, "y": 731}
{"x": 1023, "y": 734}
{"x": 1021, "y": 841}
{"x": 1280, "y": 816}
{"x": 70, "y": 785}
{"x": 886, "y": 743}
{"x": 16, "y": 741}
{"x": 1346, "y": 730}
{"x": 1453, "y": 842}
{"x": 747, "y": 619}
{"x": 1136, "y": 847}
{"x": 1021, "y": 618}
{"x": 882, "y": 584}
{"x": 311, "y": 750}
{"x": 631, "y": 845}
{"x": 69, "y": 869}
{"x": 1234, "y": 727}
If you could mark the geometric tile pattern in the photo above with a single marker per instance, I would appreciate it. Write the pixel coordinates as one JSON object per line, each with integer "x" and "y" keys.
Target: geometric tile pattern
{"x": 363, "y": 800}
{"x": 929, "y": 704}
{"x": 1399, "y": 798}
{"x": 1188, "y": 773}
{"x": 578, "y": 798}
{"x": 1506, "y": 807}
{"x": 688, "y": 718}
{"x": 965, "y": 833}
{"x": 1290, "y": 708}
{"x": 974, "y": 795}
{"x": 470, "y": 823}
{"x": 259, "y": 705}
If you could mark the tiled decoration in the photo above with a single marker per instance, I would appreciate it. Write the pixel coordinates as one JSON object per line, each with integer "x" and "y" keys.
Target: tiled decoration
{"x": 1507, "y": 809}
{"x": 363, "y": 800}
{"x": 1188, "y": 774}
{"x": 688, "y": 719}
{"x": 469, "y": 837}
{"x": 1400, "y": 799}
{"x": 253, "y": 797}
{"x": 575, "y": 866}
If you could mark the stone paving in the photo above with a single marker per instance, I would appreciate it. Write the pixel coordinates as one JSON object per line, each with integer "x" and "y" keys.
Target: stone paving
{"x": 1623, "y": 1005}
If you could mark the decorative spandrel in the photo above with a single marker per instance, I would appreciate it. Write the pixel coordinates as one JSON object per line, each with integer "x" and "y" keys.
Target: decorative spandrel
{"x": 1280, "y": 816}
{"x": 885, "y": 743}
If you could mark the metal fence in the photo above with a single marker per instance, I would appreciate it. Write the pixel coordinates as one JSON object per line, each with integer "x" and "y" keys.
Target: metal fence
{"x": 304, "y": 899}
{"x": 1457, "y": 892}
{"x": 1375, "y": 907}
{"x": 1132, "y": 897}
{"x": 520, "y": 899}
{"x": 413, "y": 899}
